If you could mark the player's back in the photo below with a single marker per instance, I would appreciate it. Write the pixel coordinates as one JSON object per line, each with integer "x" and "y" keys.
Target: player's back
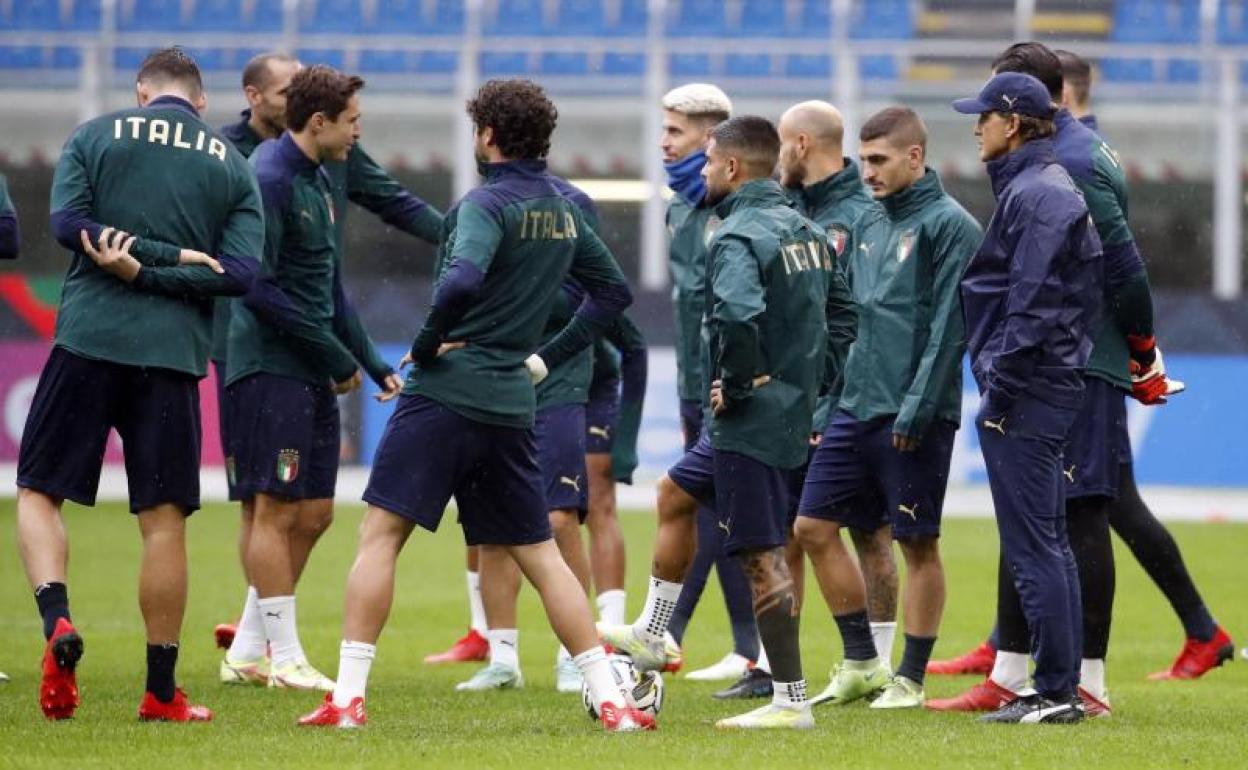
{"x": 522, "y": 233}
{"x": 157, "y": 172}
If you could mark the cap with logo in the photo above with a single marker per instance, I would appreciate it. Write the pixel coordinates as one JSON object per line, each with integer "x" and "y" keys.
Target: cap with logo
{"x": 1014, "y": 92}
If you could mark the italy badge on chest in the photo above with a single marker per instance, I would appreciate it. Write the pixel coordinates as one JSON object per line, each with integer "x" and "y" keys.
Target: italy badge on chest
{"x": 905, "y": 246}
{"x": 287, "y": 465}
{"x": 838, "y": 237}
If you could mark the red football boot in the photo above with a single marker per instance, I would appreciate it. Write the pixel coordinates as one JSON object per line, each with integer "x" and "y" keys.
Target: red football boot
{"x": 1197, "y": 657}
{"x": 329, "y": 715}
{"x": 224, "y": 634}
{"x": 1094, "y": 707}
{"x": 623, "y": 719}
{"x": 977, "y": 661}
{"x": 985, "y": 696}
{"x": 176, "y": 710}
{"x": 472, "y": 647}
{"x": 58, "y": 691}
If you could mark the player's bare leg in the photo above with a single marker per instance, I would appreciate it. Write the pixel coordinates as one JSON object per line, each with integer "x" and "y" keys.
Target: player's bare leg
{"x": 924, "y": 604}
{"x": 674, "y": 547}
{"x": 606, "y": 540}
{"x": 843, "y": 588}
{"x": 162, "y": 600}
{"x": 500, "y": 591}
{"x": 44, "y": 548}
{"x": 776, "y": 608}
{"x": 270, "y": 559}
{"x": 566, "y": 525}
{"x": 879, "y": 572}
{"x": 314, "y": 519}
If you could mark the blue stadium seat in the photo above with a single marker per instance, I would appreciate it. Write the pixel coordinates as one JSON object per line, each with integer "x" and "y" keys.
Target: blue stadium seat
{"x": 564, "y": 64}
{"x": 80, "y": 15}
{"x": 698, "y": 18}
{"x": 1233, "y": 22}
{"x": 126, "y": 61}
{"x": 408, "y": 62}
{"x": 508, "y": 63}
{"x": 66, "y": 57}
{"x": 331, "y": 16}
{"x": 218, "y": 16}
{"x": 1128, "y": 70}
{"x": 762, "y": 18}
{"x": 447, "y": 19}
{"x": 882, "y": 20}
{"x": 877, "y": 67}
{"x": 515, "y": 18}
{"x": 580, "y": 17}
{"x": 21, "y": 57}
{"x": 747, "y": 65}
{"x": 634, "y": 16}
{"x": 150, "y": 15}
{"x": 1156, "y": 21}
{"x": 623, "y": 64}
{"x": 688, "y": 65}
{"x": 334, "y": 57}
{"x": 807, "y": 66}
{"x": 212, "y": 59}
{"x": 815, "y": 19}
{"x": 1183, "y": 71}
{"x": 31, "y": 14}
{"x": 85, "y": 15}
{"x": 397, "y": 17}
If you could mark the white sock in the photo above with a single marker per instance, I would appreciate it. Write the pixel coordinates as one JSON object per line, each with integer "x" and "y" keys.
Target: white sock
{"x": 1092, "y": 677}
{"x": 475, "y": 606}
{"x": 354, "y": 661}
{"x": 562, "y": 655}
{"x": 598, "y": 677}
{"x": 249, "y": 640}
{"x": 883, "y": 634}
{"x": 611, "y": 607}
{"x": 762, "y": 664}
{"x": 504, "y": 647}
{"x": 789, "y": 695}
{"x": 278, "y": 613}
{"x": 660, "y": 604}
{"x": 1009, "y": 670}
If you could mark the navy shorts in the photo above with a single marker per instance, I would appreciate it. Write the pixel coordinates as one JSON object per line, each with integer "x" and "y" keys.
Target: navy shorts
{"x": 223, "y": 429}
{"x": 1098, "y": 444}
{"x": 284, "y": 437}
{"x": 859, "y": 480}
{"x": 560, "y": 435}
{"x": 755, "y": 503}
{"x": 600, "y": 415}
{"x": 691, "y": 417}
{"x": 77, "y": 401}
{"x": 429, "y": 453}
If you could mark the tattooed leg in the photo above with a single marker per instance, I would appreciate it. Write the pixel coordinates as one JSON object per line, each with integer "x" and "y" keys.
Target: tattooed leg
{"x": 775, "y": 608}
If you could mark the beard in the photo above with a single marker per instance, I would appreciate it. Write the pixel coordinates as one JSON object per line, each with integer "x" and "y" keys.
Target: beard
{"x": 714, "y": 196}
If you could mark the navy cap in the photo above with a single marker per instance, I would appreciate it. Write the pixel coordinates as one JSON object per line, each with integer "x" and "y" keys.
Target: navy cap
{"x": 1014, "y": 92}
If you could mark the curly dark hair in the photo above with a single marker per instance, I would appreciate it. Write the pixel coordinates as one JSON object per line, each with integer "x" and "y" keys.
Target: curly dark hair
{"x": 318, "y": 88}
{"x": 519, "y": 112}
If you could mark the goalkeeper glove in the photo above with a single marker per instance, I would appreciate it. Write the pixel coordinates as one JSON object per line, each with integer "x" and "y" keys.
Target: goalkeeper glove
{"x": 1149, "y": 383}
{"x": 537, "y": 368}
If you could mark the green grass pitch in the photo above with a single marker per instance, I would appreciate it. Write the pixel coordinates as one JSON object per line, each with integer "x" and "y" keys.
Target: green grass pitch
{"x": 417, "y": 720}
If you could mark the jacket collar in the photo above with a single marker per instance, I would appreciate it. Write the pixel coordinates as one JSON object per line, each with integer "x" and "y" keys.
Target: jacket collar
{"x": 915, "y": 197}
{"x": 242, "y": 130}
{"x": 292, "y": 155}
{"x": 1037, "y": 152}
{"x": 755, "y": 193}
{"x": 526, "y": 167}
{"x": 172, "y": 102}
{"x": 840, "y": 185}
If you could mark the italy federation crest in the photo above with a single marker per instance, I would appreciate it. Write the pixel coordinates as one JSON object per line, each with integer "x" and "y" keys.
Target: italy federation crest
{"x": 712, "y": 224}
{"x": 905, "y": 246}
{"x": 287, "y": 465}
{"x": 838, "y": 237}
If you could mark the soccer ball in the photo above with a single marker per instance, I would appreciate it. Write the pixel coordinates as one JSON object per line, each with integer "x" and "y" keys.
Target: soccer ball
{"x": 642, "y": 690}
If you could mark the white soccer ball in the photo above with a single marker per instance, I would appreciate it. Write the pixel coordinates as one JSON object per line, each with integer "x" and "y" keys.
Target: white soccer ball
{"x": 642, "y": 690}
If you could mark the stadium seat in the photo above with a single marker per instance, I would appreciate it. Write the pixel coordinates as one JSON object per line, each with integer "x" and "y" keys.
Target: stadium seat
{"x": 447, "y": 18}
{"x": 1183, "y": 71}
{"x": 687, "y": 65}
{"x": 334, "y": 57}
{"x": 331, "y": 16}
{"x": 762, "y": 18}
{"x": 623, "y": 64}
{"x": 807, "y": 66}
{"x": 580, "y": 17}
{"x": 84, "y": 15}
{"x": 396, "y": 17}
{"x": 1156, "y": 21}
{"x": 408, "y": 62}
{"x": 564, "y": 64}
{"x": 1128, "y": 70}
{"x": 31, "y": 14}
{"x": 877, "y": 67}
{"x": 266, "y": 15}
{"x": 21, "y": 57}
{"x": 218, "y": 16}
{"x": 747, "y": 65}
{"x": 212, "y": 59}
{"x": 1233, "y": 22}
{"x": 504, "y": 63}
{"x": 698, "y": 18}
{"x": 514, "y": 18}
{"x": 634, "y": 16}
{"x": 127, "y": 61}
{"x": 150, "y": 16}
{"x": 882, "y": 20}
{"x": 815, "y": 19}
{"x": 66, "y": 57}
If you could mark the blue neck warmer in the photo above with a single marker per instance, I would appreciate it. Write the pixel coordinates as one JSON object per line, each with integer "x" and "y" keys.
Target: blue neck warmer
{"x": 685, "y": 177}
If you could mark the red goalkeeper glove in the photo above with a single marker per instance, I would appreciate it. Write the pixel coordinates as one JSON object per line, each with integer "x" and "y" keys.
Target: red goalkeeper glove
{"x": 1149, "y": 383}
